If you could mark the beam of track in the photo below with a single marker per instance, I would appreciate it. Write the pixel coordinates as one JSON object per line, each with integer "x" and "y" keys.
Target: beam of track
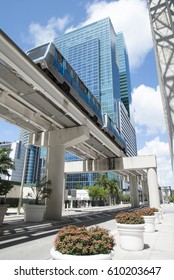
{"x": 26, "y": 93}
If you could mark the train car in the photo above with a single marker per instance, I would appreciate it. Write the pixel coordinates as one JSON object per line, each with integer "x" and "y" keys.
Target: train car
{"x": 52, "y": 62}
{"x": 110, "y": 128}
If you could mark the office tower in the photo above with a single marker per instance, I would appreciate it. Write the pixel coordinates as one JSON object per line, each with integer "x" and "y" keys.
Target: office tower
{"x": 162, "y": 24}
{"x": 125, "y": 121}
{"x": 17, "y": 154}
{"x": 124, "y": 72}
{"x": 99, "y": 57}
{"x": 91, "y": 51}
{"x": 33, "y": 164}
{"x": 127, "y": 129}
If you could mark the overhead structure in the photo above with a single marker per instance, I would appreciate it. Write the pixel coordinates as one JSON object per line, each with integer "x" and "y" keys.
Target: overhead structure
{"x": 29, "y": 99}
{"x": 162, "y": 24}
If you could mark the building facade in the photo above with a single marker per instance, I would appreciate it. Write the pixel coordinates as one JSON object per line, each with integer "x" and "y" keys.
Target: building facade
{"x": 17, "y": 154}
{"x": 124, "y": 72}
{"x": 33, "y": 159}
{"x": 100, "y": 58}
{"x": 91, "y": 51}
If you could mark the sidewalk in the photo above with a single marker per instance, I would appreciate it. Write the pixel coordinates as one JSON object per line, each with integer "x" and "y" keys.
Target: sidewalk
{"x": 31, "y": 241}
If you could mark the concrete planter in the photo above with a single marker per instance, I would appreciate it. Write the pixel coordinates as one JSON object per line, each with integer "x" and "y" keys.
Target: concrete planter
{"x": 149, "y": 223}
{"x": 59, "y": 256}
{"x": 34, "y": 213}
{"x": 131, "y": 236}
{"x": 3, "y": 209}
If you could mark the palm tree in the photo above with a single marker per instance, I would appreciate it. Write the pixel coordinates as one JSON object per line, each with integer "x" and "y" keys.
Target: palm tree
{"x": 6, "y": 163}
{"x": 114, "y": 191}
{"x": 102, "y": 181}
{"x": 40, "y": 191}
{"x": 110, "y": 185}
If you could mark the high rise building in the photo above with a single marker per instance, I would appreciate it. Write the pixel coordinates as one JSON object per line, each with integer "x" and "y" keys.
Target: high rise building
{"x": 124, "y": 72}
{"x": 33, "y": 164}
{"x": 92, "y": 52}
{"x": 17, "y": 154}
{"x": 100, "y": 58}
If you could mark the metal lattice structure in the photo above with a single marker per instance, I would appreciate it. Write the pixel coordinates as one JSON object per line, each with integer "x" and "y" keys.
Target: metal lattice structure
{"x": 162, "y": 24}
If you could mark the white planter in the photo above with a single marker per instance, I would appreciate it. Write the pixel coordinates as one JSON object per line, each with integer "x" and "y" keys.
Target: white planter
{"x": 157, "y": 217}
{"x": 149, "y": 223}
{"x": 3, "y": 209}
{"x": 131, "y": 236}
{"x": 34, "y": 213}
{"x": 59, "y": 256}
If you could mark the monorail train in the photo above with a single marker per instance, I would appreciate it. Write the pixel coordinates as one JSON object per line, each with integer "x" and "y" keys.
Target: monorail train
{"x": 110, "y": 128}
{"x": 52, "y": 62}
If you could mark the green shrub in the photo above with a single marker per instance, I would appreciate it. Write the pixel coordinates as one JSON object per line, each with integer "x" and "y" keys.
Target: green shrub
{"x": 74, "y": 240}
{"x": 129, "y": 218}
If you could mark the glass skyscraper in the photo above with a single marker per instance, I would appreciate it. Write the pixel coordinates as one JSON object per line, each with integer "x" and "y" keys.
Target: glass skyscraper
{"x": 124, "y": 72}
{"x": 33, "y": 164}
{"x": 92, "y": 52}
{"x": 99, "y": 57}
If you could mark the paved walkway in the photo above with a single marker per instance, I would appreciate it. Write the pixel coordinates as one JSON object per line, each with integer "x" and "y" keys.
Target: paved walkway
{"x": 31, "y": 241}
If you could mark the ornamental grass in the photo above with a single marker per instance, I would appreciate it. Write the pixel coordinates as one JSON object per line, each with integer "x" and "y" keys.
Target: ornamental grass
{"x": 74, "y": 240}
{"x": 129, "y": 218}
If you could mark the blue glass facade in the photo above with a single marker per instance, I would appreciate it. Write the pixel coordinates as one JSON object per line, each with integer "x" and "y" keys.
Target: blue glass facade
{"x": 33, "y": 159}
{"x": 84, "y": 58}
{"x": 91, "y": 50}
{"x": 33, "y": 170}
{"x": 124, "y": 73}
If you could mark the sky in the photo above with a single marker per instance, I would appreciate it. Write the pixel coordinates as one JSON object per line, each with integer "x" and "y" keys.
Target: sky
{"x": 32, "y": 23}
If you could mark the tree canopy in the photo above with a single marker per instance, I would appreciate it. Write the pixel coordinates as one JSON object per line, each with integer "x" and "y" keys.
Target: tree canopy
{"x": 6, "y": 163}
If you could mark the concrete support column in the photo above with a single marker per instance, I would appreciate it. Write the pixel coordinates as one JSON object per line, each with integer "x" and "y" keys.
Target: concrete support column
{"x": 57, "y": 141}
{"x": 152, "y": 180}
{"x": 55, "y": 172}
{"x": 134, "y": 191}
{"x": 145, "y": 191}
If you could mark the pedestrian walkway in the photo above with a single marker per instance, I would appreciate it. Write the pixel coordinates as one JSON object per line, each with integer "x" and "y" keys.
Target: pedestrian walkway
{"x": 32, "y": 241}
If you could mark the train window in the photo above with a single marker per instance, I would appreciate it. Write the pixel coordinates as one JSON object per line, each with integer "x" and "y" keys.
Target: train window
{"x": 68, "y": 67}
{"x": 90, "y": 95}
{"x": 74, "y": 76}
{"x": 59, "y": 58}
{"x": 82, "y": 86}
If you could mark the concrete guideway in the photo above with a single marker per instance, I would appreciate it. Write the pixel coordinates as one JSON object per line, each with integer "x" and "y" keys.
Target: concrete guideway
{"x": 31, "y": 241}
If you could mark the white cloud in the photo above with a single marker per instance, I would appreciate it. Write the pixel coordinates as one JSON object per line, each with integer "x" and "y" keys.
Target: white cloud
{"x": 164, "y": 169}
{"x": 129, "y": 16}
{"x": 148, "y": 111}
{"x": 40, "y": 34}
